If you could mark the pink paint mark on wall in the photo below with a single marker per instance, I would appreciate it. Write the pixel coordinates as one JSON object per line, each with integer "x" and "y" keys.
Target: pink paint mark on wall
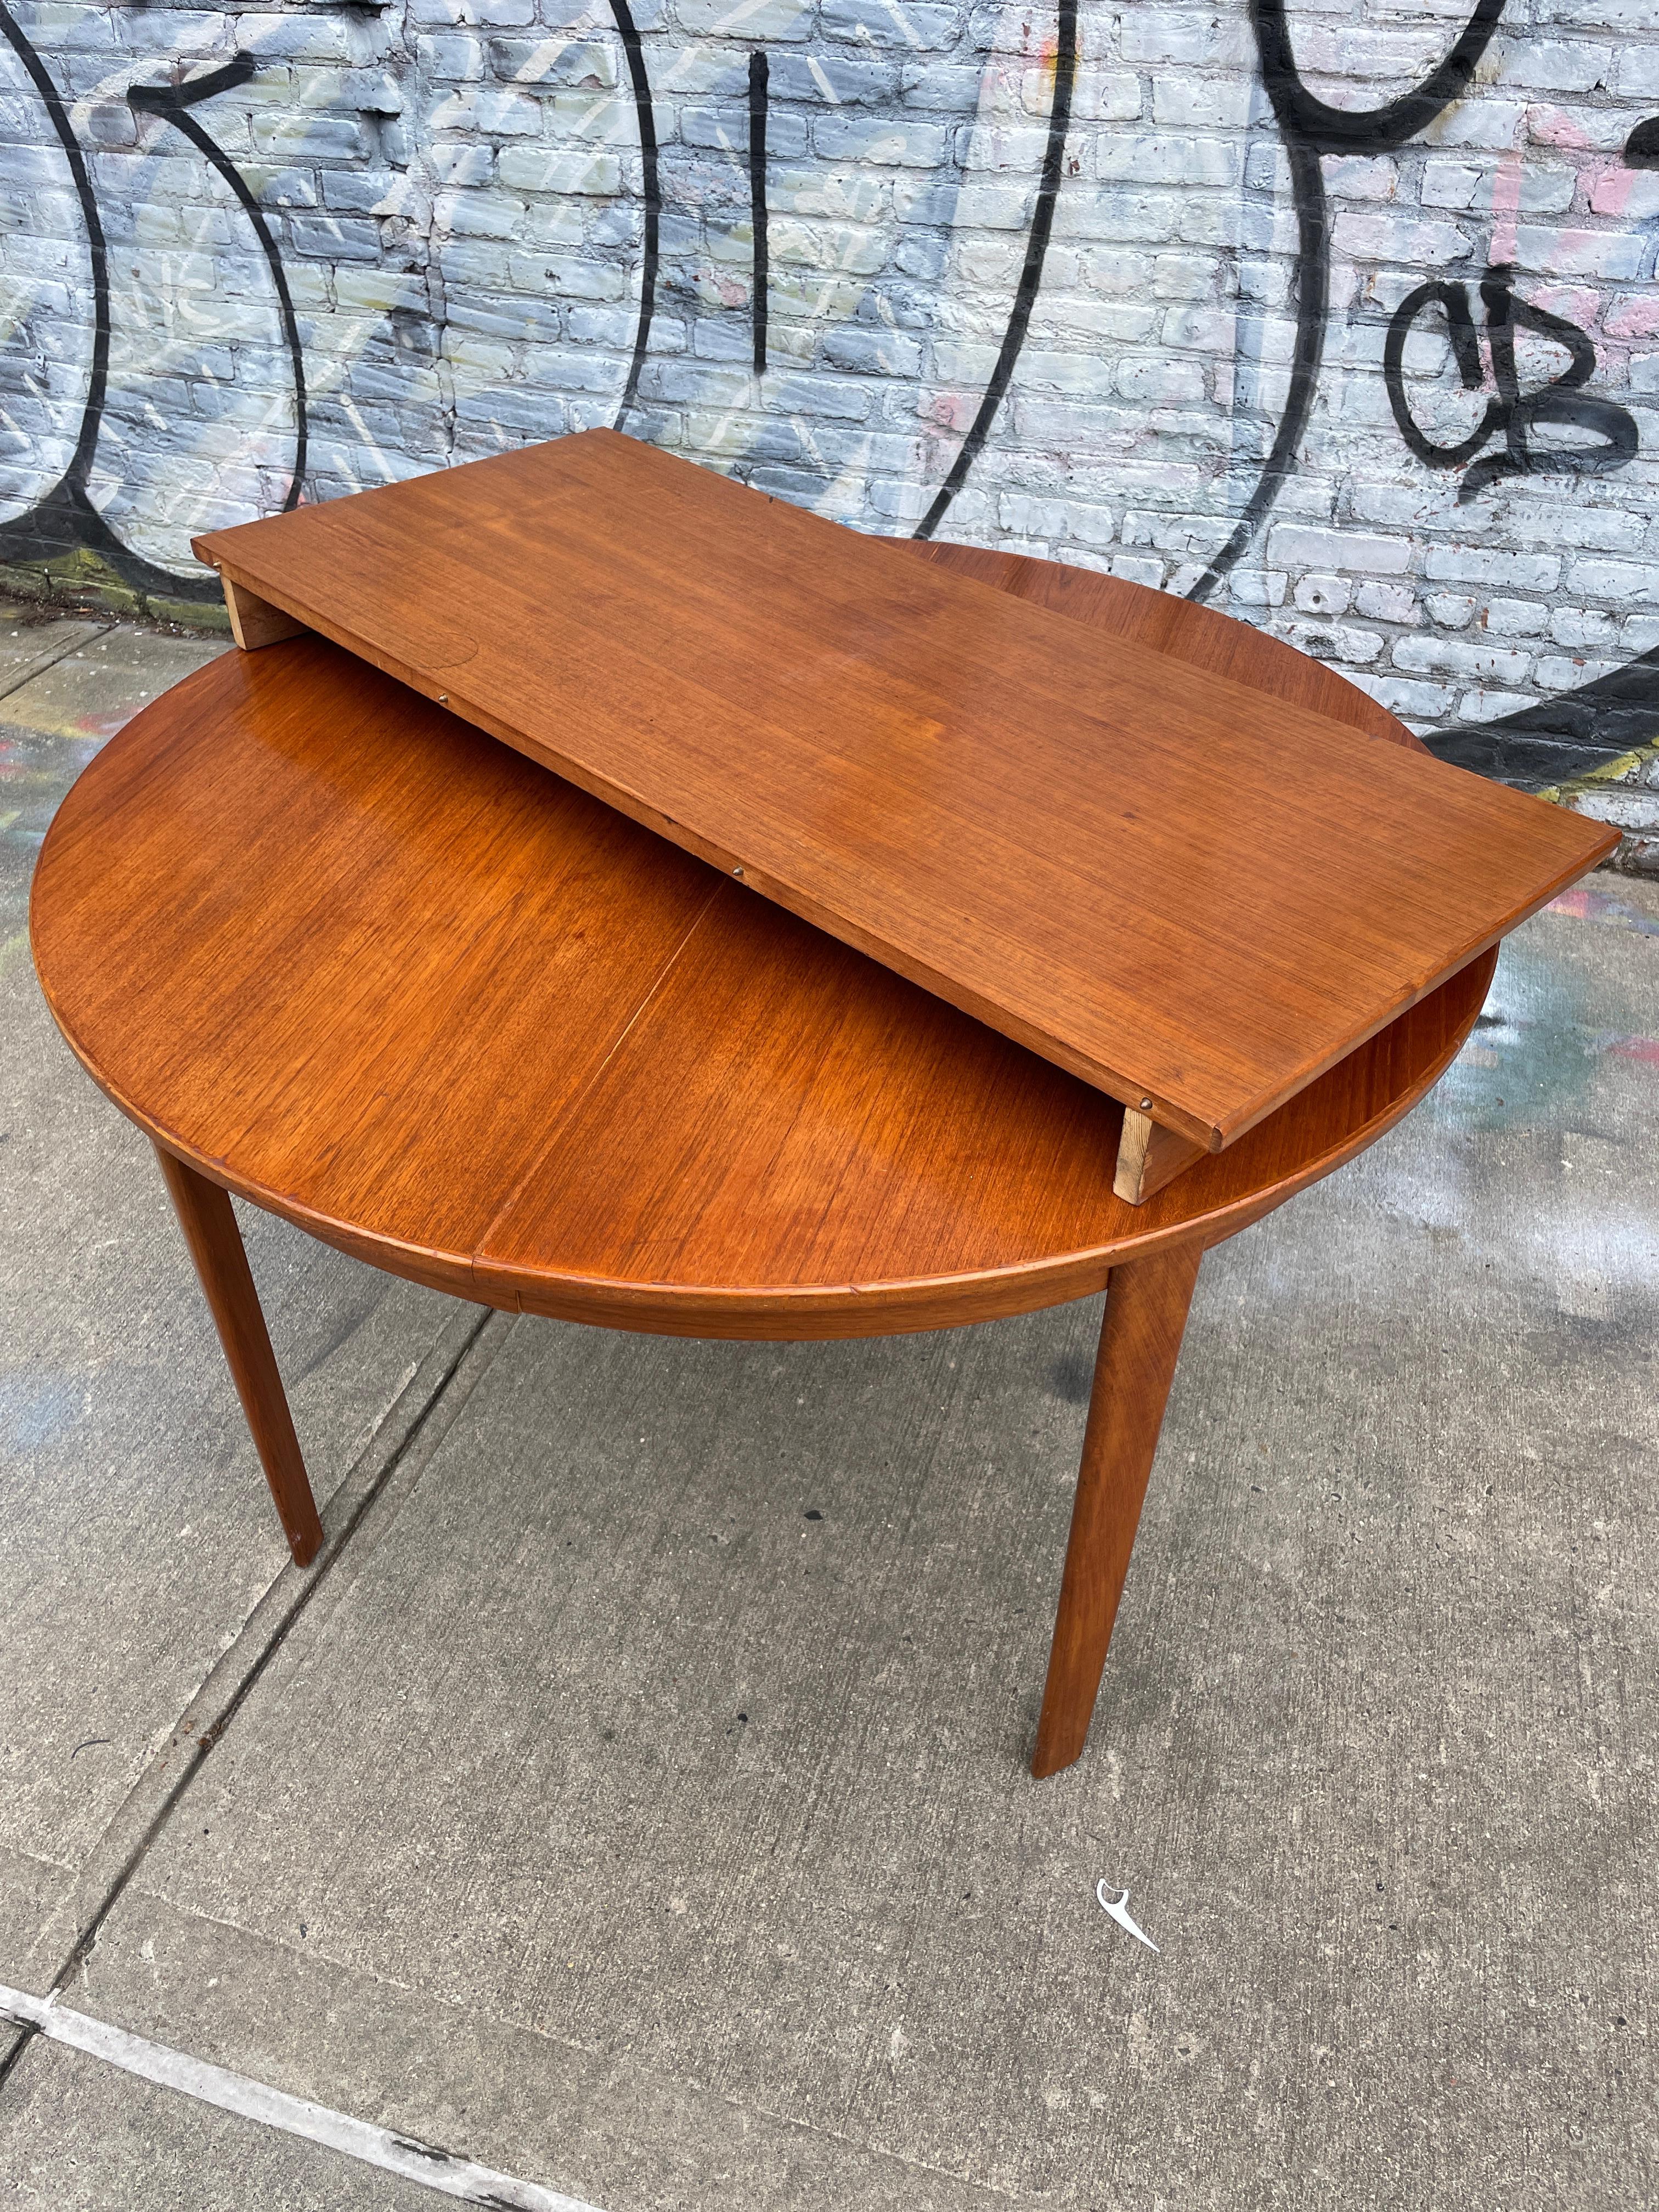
{"x": 953, "y": 410}
{"x": 1548, "y": 126}
{"x": 1636, "y": 318}
{"x": 1570, "y": 246}
{"x": 1611, "y": 189}
{"x": 1574, "y": 302}
{"x": 1645, "y": 1050}
{"x": 1506, "y": 206}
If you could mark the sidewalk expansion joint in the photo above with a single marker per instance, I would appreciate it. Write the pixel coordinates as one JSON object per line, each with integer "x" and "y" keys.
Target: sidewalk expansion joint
{"x": 427, "y": 2164}
{"x": 385, "y": 1470}
{"x": 38, "y": 667}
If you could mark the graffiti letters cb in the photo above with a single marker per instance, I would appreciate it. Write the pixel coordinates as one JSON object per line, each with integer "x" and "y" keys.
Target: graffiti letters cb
{"x": 1512, "y": 417}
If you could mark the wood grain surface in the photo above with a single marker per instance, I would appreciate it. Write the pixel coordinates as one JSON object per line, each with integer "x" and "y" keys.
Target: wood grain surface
{"x": 1157, "y": 877}
{"x": 1209, "y": 643}
{"x": 1146, "y": 1306}
{"x": 343, "y": 954}
{"x": 214, "y": 1243}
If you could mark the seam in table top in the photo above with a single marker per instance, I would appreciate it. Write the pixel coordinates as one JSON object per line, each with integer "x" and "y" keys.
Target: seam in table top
{"x": 556, "y": 1128}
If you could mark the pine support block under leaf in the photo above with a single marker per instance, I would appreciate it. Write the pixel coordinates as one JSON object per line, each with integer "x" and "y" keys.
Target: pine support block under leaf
{"x": 253, "y": 621}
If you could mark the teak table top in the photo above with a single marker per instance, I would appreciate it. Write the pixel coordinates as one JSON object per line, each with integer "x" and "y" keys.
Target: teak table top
{"x": 1185, "y": 892}
{"x": 343, "y": 954}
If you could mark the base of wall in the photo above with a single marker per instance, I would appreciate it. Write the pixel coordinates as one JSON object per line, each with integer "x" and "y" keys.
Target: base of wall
{"x": 1625, "y": 792}
{"x": 83, "y": 582}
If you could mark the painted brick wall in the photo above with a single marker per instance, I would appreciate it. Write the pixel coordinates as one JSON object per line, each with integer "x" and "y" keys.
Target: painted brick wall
{"x": 1284, "y": 307}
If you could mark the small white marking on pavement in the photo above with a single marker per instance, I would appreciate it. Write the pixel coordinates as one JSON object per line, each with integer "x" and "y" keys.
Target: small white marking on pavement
{"x": 435, "y": 2169}
{"x": 1120, "y": 1912}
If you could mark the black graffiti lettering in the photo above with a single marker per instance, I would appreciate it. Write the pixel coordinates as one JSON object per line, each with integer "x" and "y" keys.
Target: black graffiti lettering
{"x": 163, "y": 99}
{"x": 1465, "y": 351}
{"x": 1513, "y": 415}
{"x": 1573, "y": 410}
{"x": 645, "y": 115}
{"x": 758, "y": 72}
{"x": 65, "y": 517}
{"x": 174, "y": 103}
{"x": 1562, "y": 429}
{"x": 1329, "y": 130}
{"x": 1563, "y": 401}
{"x": 1031, "y": 275}
{"x": 1309, "y": 128}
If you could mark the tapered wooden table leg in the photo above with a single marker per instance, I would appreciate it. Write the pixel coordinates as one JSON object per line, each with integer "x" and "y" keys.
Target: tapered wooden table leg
{"x": 1146, "y": 1305}
{"x": 215, "y": 1245}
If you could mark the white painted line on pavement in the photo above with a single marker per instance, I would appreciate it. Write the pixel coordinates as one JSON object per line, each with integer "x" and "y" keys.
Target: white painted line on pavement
{"x": 435, "y": 2169}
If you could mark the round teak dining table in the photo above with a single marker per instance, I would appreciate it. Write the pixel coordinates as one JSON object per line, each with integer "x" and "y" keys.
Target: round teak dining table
{"x": 340, "y": 953}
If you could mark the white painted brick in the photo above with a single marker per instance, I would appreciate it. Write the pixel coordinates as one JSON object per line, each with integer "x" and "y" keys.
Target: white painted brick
{"x": 497, "y": 113}
{"x": 1159, "y": 381}
{"x": 1358, "y": 52}
{"x": 1566, "y": 253}
{"x": 1161, "y": 159}
{"x": 477, "y": 213}
{"x": 867, "y": 22}
{"x": 1358, "y": 177}
{"x": 1489, "y": 121}
{"x": 1516, "y": 618}
{"x": 540, "y": 169}
{"x": 1021, "y": 517}
{"x": 1558, "y": 65}
{"x": 1604, "y": 528}
{"x": 1630, "y": 809}
{"x": 1445, "y": 656}
{"x": 1399, "y": 237}
{"x": 1638, "y": 73}
{"x": 1471, "y": 564}
{"x": 1105, "y": 318}
{"x": 1102, "y": 96}
{"x": 1485, "y": 705}
{"x": 1200, "y": 103}
{"x": 1573, "y": 626}
{"x": 1621, "y": 581}
{"x": 481, "y": 158}
{"x": 1292, "y": 545}
{"x": 1324, "y": 595}
{"x": 307, "y": 36}
{"x": 152, "y": 30}
{"x": 1390, "y": 603}
{"x": 1121, "y": 214}
{"x": 450, "y": 57}
{"x": 294, "y": 139}
{"x": 881, "y": 141}
{"x": 1412, "y": 701}
{"x": 1447, "y": 184}
{"x": 1136, "y": 570}
{"x": 1200, "y": 330}
{"x": 1189, "y": 35}
{"x": 1093, "y": 525}
{"x": 1565, "y": 672}
{"x": 1257, "y": 587}
{"x": 1345, "y": 643}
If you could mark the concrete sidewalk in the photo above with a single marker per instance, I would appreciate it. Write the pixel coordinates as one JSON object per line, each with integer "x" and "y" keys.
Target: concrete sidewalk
{"x": 634, "y": 1802}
